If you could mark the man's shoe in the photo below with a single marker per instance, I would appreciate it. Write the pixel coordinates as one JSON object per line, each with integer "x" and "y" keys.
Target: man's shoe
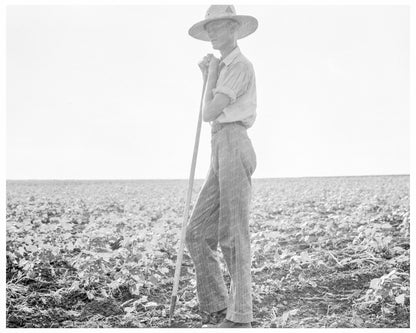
{"x": 230, "y": 324}
{"x": 212, "y": 319}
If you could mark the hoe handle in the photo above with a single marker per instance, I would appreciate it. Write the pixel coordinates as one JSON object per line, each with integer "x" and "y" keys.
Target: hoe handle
{"x": 186, "y": 212}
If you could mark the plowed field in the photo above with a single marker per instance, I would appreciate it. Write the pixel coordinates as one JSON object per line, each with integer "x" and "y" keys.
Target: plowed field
{"x": 326, "y": 252}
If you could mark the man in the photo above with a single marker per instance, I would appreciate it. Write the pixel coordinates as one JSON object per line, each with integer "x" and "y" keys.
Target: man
{"x": 221, "y": 213}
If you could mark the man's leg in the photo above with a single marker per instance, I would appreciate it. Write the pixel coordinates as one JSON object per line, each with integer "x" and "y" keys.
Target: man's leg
{"x": 237, "y": 162}
{"x": 202, "y": 241}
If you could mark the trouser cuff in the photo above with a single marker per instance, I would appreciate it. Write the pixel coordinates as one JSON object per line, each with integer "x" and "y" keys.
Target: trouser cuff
{"x": 210, "y": 308}
{"x": 236, "y": 317}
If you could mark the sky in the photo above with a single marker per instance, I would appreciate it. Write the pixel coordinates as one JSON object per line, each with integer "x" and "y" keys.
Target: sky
{"x": 113, "y": 92}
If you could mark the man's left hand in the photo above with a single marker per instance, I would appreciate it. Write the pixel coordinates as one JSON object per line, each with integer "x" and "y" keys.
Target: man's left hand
{"x": 213, "y": 65}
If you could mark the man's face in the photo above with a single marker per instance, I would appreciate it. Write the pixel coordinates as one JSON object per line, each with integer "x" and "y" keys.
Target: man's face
{"x": 221, "y": 33}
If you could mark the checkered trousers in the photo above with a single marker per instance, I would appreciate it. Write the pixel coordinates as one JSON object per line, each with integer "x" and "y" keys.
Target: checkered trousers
{"x": 221, "y": 216}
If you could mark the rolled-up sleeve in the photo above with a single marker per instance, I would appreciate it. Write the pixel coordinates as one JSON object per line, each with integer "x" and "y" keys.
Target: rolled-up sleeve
{"x": 235, "y": 81}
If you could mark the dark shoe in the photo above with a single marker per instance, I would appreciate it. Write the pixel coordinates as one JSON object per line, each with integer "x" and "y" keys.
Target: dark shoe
{"x": 230, "y": 324}
{"x": 213, "y": 319}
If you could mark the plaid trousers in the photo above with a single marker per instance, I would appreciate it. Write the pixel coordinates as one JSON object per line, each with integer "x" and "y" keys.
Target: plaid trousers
{"x": 221, "y": 216}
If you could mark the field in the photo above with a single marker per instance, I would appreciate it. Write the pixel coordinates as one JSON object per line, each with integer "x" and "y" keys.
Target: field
{"x": 326, "y": 252}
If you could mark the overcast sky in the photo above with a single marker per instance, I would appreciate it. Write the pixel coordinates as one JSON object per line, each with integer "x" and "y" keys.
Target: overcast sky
{"x": 97, "y": 92}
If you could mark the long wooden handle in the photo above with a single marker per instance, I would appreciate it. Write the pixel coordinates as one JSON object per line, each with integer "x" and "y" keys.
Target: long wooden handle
{"x": 187, "y": 204}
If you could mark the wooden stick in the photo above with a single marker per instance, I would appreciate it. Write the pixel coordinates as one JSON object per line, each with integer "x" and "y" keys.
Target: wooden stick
{"x": 186, "y": 212}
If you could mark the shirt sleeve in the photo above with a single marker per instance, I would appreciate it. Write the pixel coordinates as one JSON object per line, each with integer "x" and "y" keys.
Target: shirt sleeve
{"x": 235, "y": 82}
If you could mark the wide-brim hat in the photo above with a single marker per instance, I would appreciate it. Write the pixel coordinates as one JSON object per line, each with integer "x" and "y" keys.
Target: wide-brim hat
{"x": 248, "y": 24}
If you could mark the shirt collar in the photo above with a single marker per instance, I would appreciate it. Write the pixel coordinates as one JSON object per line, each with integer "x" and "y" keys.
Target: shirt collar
{"x": 231, "y": 56}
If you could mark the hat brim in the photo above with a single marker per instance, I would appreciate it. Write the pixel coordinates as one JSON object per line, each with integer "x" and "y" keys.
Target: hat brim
{"x": 248, "y": 24}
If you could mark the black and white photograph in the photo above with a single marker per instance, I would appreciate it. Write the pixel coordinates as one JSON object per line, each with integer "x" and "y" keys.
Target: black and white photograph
{"x": 200, "y": 166}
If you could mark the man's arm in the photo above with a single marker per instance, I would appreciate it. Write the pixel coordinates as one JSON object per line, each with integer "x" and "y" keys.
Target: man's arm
{"x": 213, "y": 105}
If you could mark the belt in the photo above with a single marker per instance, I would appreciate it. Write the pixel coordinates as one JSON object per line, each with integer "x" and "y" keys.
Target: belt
{"x": 216, "y": 126}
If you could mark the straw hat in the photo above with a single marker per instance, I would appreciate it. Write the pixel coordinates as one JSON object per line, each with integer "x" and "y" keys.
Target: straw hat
{"x": 248, "y": 24}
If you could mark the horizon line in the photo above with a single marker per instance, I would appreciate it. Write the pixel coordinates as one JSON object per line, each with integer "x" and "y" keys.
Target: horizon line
{"x": 253, "y": 178}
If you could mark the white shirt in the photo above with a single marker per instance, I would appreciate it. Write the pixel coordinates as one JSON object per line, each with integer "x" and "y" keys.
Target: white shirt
{"x": 237, "y": 80}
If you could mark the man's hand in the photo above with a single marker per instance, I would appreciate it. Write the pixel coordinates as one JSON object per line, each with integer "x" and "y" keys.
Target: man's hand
{"x": 213, "y": 66}
{"x": 209, "y": 65}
